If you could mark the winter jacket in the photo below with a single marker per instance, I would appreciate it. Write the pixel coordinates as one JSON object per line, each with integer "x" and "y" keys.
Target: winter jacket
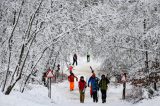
{"x": 94, "y": 83}
{"x": 75, "y": 57}
{"x": 82, "y": 85}
{"x": 103, "y": 84}
{"x": 70, "y": 68}
{"x": 71, "y": 78}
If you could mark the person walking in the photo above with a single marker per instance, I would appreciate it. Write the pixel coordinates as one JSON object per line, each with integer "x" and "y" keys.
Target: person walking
{"x": 58, "y": 67}
{"x": 75, "y": 59}
{"x": 93, "y": 74}
{"x": 82, "y": 86}
{"x": 44, "y": 78}
{"x": 71, "y": 80}
{"x": 70, "y": 68}
{"x": 57, "y": 70}
{"x": 93, "y": 81}
{"x": 108, "y": 80}
{"x": 103, "y": 85}
{"x": 88, "y": 57}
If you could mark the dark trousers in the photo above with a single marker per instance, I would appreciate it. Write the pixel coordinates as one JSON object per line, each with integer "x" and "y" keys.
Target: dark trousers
{"x": 95, "y": 96}
{"x": 75, "y": 61}
{"x": 103, "y": 92}
{"x": 88, "y": 58}
{"x": 44, "y": 81}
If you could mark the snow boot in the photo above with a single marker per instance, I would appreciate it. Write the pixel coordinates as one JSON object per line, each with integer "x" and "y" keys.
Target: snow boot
{"x": 96, "y": 100}
{"x": 103, "y": 101}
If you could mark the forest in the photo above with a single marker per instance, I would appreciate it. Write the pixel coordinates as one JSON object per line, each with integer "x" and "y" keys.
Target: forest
{"x": 123, "y": 35}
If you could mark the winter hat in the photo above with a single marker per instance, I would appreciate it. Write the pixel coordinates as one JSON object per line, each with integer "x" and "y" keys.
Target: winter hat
{"x": 81, "y": 77}
{"x": 103, "y": 76}
{"x": 93, "y": 75}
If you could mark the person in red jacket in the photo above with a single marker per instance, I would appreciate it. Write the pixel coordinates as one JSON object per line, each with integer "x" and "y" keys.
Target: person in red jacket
{"x": 82, "y": 86}
{"x": 71, "y": 80}
{"x": 70, "y": 68}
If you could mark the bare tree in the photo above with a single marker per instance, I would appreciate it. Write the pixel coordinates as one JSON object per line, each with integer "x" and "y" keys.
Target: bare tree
{"x": 10, "y": 45}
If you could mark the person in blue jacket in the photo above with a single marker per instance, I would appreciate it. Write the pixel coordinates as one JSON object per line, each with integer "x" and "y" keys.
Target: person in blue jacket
{"x": 93, "y": 81}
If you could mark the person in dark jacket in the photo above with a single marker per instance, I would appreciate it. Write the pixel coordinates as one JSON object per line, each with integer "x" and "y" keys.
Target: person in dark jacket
{"x": 103, "y": 85}
{"x": 57, "y": 70}
{"x": 88, "y": 57}
{"x": 82, "y": 86}
{"x": 75, "y": 59}
{"x": 44, "y": 78}
{"x": 93, "y": 80}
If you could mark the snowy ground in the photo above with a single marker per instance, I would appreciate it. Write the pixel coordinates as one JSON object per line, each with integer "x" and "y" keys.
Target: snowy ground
{"x": 63, "y": 97}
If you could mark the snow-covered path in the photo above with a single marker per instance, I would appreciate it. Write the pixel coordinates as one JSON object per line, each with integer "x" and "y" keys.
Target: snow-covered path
{"x": 62, "y": 96}
{"x": 67, "y": 96}
{"x": 71, "y": 97}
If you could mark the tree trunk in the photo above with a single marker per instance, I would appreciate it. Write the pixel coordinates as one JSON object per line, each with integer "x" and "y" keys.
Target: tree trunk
{"x": 5, "y": 81}
{"x": 10, "y": 87}
{"x": 10, "y": 45}
{"x": 155, "y": 86}
{"x": 147, "y": 66}
{"x": 32, "y": 70}
{"x": 25, "y": 82}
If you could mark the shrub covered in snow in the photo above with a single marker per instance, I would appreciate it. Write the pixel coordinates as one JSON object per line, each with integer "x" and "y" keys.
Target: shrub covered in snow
{"x": 138, "y": 93}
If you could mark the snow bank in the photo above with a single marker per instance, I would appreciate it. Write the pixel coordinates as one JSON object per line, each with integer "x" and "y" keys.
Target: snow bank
{"x": 34, "y": 97}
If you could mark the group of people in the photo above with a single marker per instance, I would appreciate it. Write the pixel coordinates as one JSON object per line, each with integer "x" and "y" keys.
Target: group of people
{"x": 75, "y": 58}
{"x": 95, "y": 85}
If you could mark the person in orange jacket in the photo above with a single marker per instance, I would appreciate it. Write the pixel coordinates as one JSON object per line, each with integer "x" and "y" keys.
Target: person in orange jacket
{"x": 71, "y": 80}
